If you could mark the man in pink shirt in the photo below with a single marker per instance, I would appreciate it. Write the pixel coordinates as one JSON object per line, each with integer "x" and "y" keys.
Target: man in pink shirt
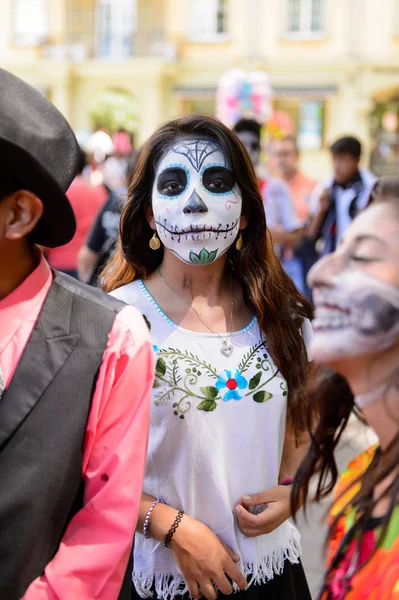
{"x": 297, "y": 262}
{"x": 76, "y": 371}
{"x": 86, "y": 200}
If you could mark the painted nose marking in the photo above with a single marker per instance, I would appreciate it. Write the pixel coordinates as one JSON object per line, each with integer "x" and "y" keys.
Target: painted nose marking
{"x": 195, "y": 204}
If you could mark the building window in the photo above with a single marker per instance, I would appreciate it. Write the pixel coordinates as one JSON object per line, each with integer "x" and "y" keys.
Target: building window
{"x": 115, "y": 28}
{"x": 207, "y": 19}
{"x": 30, "y": 22}
{"x": 306, "y": 18}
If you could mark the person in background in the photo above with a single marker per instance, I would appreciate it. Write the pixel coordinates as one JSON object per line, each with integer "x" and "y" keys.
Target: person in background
{"x": 114, "y": 170}
{"x": 336, "y": 203}
{"x": 76, "y": 373}
{"x": 282, "y": 220}
{"x": 100, "y": 243}
{"x": 356, "y": 345}
{"x": 122, "y": 141}
{"x": 86, "y": 201}
{"x": 115, "y": 167}
{"x": 301, "y": 186}
{"x": 286, "y": 155}
{"x": 100, "y": 145}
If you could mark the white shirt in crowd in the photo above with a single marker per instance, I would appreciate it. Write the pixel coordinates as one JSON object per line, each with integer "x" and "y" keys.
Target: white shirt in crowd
{"x": 344, "y": 198}
{"x": 279, "y": 205}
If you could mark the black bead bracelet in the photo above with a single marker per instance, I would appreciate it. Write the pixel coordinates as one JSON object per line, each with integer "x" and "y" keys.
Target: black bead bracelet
{"x": 172, "y": 530}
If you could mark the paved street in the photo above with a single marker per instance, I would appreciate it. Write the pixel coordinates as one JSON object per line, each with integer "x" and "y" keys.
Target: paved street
{"x": 356, "y": 438}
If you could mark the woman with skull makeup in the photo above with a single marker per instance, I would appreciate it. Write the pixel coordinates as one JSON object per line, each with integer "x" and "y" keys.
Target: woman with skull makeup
{"x": 356, "y": 338}
{"x": 229, "y": 331}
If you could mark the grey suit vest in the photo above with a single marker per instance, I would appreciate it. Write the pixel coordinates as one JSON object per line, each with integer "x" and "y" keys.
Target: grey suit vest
{"x": 43, "y": 416}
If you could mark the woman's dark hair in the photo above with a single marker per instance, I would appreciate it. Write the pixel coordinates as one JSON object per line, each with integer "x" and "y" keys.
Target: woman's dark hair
{"x": 267, "y": 290}
{"x": 132, "y": 164}
{"x": 331, "y": 403}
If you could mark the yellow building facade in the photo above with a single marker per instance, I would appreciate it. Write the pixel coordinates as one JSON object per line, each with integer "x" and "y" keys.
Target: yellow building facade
{"x": 333, "y": 64}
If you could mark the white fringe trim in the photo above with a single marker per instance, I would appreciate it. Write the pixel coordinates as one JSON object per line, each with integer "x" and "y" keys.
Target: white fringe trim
{"x": 168, "y": 586}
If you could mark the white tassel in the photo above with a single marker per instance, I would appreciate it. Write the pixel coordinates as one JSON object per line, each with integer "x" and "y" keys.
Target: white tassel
{"x": 168, "y": 586}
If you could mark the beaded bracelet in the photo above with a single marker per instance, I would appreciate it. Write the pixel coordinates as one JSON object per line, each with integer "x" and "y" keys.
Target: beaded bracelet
{"x": 172, "y": 530}
{"x": 148, "y": 517}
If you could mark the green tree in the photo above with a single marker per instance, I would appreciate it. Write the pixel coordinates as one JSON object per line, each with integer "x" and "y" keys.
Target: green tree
{"x": 114, "y": 109}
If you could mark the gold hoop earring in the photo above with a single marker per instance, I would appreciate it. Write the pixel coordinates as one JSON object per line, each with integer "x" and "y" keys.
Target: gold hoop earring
{"x": 239, "y": 242}
{"x": 154, "y": 243}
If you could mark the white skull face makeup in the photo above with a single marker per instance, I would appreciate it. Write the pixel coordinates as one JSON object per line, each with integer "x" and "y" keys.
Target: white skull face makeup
{"x": 196, "y": 202}
{"x": 358, "y": 314}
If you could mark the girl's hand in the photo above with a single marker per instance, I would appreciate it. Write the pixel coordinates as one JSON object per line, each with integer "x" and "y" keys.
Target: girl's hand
{"x": 275, "y": 512}
{"x": 204, "y": 560}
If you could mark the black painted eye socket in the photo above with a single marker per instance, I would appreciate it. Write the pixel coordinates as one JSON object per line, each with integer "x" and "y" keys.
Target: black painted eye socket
{"x": 218, "y": 180}
{"x": 172, "y": 181}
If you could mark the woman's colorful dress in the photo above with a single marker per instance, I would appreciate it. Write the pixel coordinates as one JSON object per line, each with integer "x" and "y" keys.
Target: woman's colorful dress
{"x": 378, "y": 578}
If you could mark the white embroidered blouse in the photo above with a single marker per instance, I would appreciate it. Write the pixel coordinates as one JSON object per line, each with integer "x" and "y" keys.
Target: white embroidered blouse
{"x": 217, "y": 433}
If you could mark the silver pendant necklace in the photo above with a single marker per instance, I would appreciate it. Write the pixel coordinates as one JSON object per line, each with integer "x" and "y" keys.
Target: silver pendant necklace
{"x": 227, "y": 348}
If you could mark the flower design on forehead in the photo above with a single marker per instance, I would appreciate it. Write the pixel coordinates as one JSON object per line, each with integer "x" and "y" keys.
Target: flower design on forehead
{"x": 196, "y": 151}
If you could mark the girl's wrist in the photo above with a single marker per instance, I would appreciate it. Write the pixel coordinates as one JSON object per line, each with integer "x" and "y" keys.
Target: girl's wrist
{"x": 161, "y": 520}
{"x": 173, "y": 529}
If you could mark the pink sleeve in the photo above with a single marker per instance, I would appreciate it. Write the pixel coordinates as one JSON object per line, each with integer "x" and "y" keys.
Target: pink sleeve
{"x": 92, "y": 558}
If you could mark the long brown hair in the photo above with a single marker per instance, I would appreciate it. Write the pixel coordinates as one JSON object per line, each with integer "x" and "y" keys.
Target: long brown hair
{"x": 268, "y": 291}
{"x": 331, "y": 403}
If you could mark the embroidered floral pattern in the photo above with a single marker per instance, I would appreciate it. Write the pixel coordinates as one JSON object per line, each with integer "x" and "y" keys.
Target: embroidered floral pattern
{"x": 227, "y": 386}
{"x": 197, "y": 382}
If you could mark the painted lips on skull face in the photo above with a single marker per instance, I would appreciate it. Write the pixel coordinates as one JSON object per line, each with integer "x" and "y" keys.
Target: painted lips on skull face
{"x": 356, "y": 314}
{"x": 196, "y": 202}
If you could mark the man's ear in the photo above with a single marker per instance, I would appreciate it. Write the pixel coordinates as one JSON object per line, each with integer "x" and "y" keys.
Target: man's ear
{"x": 150, "y": 217}
{"x": 25, "y": 210}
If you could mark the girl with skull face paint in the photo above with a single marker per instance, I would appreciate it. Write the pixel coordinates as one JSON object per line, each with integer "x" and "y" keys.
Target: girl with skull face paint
{"x": 356, "y": 333}
{"x": 228, "y": 329}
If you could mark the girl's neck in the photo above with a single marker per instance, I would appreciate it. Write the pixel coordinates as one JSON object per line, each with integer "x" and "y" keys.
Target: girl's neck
{"x": 209, "y": 281}
{"x": 377, "y": 373}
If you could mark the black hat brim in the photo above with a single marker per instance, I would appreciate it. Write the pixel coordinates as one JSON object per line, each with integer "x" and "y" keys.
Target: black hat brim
{"x": 57, "y": 225}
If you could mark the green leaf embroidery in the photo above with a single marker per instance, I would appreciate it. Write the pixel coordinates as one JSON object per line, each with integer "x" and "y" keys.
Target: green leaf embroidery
{"x": 247, "y": 359}
{"x": 190, "y": 358}
{"x": 160, "y": 368}
{"x": 254, "y": 382}
{"x": 147, "y": 322}
{"x": 156, "y": 384}
{"x": 207, "y": 405}
{"x": 204, "y": 257}
{"x": 262, "y": 396}
{"x": 210, "y": 392}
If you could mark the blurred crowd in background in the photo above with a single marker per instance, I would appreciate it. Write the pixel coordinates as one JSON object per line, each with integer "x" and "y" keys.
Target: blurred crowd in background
{"x": 306, "y": 216}
{"x": 97, "y": 196}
